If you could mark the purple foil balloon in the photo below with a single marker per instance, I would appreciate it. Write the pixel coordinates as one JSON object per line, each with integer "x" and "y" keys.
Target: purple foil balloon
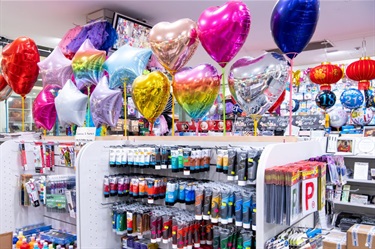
{"x": 44, "y": 110}
{"x": 105, "y": 104}
{"x": 223, "y": 30}
{"x": 56, "y": 69}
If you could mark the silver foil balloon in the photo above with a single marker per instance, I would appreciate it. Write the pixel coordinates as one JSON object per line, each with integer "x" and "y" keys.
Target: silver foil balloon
{"x": 5, "y": 93}
{"x": 257, "y": 83}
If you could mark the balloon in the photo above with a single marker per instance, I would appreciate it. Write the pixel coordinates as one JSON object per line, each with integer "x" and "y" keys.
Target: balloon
{"x": 325, "y": 99}
{"x": 256, "y": 84}
{"x": 5, "y": 93}
{"x": 71, "y": 105}
{"x": 196, "y": 89}
{"x": 277, "y": 103}
{"x": 44, "y": 111}
{"x": 337, "y": 117}
{"x": 362, "y": 116}
{"x": 223, "y": 30}
{"x": 293, "y": 23}
{"x": 369, "y": 98}
{"x": 174, "y": 43}
{"x": 87, "y": 65}
{"x": 150, "y": 94}
{"x": 237, "y": 109}
{"x": 126, "y": 64}
{"x": 295, "y": 105}
{"x": 19, "y": 65}
{"x": 105, "y": 104}
{"x": 352, "y": 98}
{"x": 56, "y": 69}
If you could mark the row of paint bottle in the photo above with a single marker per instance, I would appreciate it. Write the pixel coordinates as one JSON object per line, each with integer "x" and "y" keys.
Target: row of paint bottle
{"x": 20, "y": 242}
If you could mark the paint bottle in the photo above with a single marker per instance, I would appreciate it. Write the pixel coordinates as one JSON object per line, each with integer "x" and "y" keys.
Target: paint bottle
{"x": 20, "y": 239}
{"x": 24, "y": 244}
{"x": 32, "y": 242}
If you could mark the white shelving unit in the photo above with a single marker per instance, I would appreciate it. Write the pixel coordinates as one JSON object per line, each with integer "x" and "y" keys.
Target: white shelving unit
{"x": 356, "y": 205}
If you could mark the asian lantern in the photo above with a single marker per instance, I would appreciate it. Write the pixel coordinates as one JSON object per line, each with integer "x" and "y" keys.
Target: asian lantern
{"x": 325, "y": 74}
{"x": 362, "y": 71}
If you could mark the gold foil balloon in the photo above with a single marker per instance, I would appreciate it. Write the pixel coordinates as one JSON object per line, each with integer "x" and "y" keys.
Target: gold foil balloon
{"x": 150, "y": 94}
{"x": 174, "y": 43}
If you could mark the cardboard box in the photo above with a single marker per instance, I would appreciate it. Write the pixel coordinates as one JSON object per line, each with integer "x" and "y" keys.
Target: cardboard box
{"x": 361, "y": 237}
{"x": 334, "y": 240}
{"x": 6, "y": 240}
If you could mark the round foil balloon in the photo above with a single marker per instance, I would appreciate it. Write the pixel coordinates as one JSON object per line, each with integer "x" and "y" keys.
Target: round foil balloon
{"x": 150, "y": 94}
{"x": 325, "y": 99}
{"x": 256, "y": 84}
{"x": 362, "y": 116}
{"x": 196, "y": 89}
{"x": 19, "y": 65}
{"x": 293, "y": 23}
{"x": 174, "y": 43}
{"x": 105, "y": 104}
{"x": 87, "y": 65}
{"x": 337, "y": 117}
{"x": 223, "y": 30}
{"x": 44, "y": 111}
{"x": 352, "y": 98}
{"x": 56, "y": 69}
{"x": 126, "y": 64}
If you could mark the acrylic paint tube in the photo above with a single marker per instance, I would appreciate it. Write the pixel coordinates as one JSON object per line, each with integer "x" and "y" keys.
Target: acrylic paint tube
{"x": 187, "y": 161}
{"x": 121, "y": 186}
{"x": 170, "y": 198}
{"x": 139, "y": 225}
{"x": 180, "y": 236}
{"x": 216, "y": 239}
{"x": 150, "y": 190}
{"x": 209, "y": 233}
{"x": 246, "y": 210}
{"x": 106, "y": 187}
{"x": 174, "y": 233}
{"x": 247, "y": 240}
{"x": 155, "y": 158}
{"x": 147, "y": 156}
{"x": 225, "y": 161}
{"x": 124, "y": 156}
{"x": 118, "y": 156}
{"x": 252, "y": 164}
{"x": 113, "y": 185}
{"x": 181, "y": 192}
{"x": 114, "y": 219}
{"x": 142, "y": 188}
{"x": 164, "y": 157}
{"x": 224, "y": 238}
{"x": 238, "y": 208}
{"x": 224, "y": 209}
{"x": 196, "y": 233}
{"x": 174, "y": 160}
{"x": 198, "y": 162}
{"x": 167, "y": 223}
{"x": 199, "y": 198}
{"x": 230, "y": 207}
{"x": 215, "y": 206}
{"x": 207, "y": 203}
{"x": 219, "y": 160}
{"x": 153, "y": 228}
{"x": 189, "y": 194}
{"x": 180, "y": 159}
{"x": 126, "y": 185}
{"x": 159, "y": 229}
{"x": 231, "y": 164}
{"x": 206, "y": 154}
{"x": 241, "y": 167}
{"x": 254, "y": 211}
{"x": 131, "y": 155}
{"x": 190, "y": 236}
{"x": 112, "y": 156}
{"x": 121, "y": 223}
{"x": 239, "y": 241}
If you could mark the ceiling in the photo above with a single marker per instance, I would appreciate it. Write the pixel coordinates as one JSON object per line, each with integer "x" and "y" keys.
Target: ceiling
{"x": 345, "y": 23}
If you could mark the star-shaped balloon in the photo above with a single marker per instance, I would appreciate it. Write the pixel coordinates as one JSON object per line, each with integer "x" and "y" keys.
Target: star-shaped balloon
{"x": 126, "y": 64}
{"x": 56, "y": 69}
{"x": 71, "y": 105}
{"x": 44, "y": 111}
{"x": 105, "y": 104}
{"x": 87, "y": 65}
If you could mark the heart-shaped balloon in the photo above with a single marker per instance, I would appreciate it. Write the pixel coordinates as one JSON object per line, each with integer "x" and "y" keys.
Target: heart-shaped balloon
{"x": 256, "y": 84}
{"x": 19, "y": 65}
{"x": 150, "y": 94}
{"x": 223, "y": 30}
{"x": 174, "y": 43}
{"x": 196, "y": 89}
{"x": 278, "y": 102}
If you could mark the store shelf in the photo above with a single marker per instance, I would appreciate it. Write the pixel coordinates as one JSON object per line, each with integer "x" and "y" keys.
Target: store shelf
{"x": 349, "y": 204}
{"x": 361, "y": 156}
{"x": 361, "y": 182}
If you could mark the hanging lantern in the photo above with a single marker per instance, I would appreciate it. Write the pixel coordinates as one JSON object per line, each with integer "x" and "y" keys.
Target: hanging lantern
{"x": 362, "y": 71}
{"x": 325, "y": 74}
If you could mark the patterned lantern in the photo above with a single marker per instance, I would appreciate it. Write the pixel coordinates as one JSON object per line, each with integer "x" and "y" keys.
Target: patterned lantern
{"x": 325, "y": 74}
{"x": 362, "y": 71}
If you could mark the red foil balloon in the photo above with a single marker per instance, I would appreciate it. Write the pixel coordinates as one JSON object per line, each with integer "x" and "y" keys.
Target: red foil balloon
{"x": 362, "y": 71}
{"x": 277, "y": 103}
{"x": 325, "y": 74}
{"x": 19, "y": 65}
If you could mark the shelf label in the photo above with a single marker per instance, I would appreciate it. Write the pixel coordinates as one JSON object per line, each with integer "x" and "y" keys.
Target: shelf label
{"x": 309, "y": 196}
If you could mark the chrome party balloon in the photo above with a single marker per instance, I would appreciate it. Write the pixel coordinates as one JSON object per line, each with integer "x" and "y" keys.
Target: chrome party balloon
{"x": 325, "y": 99}
{"x": 337, "y": 117}
{"x": 56, "y": 69}
{"x": 105, "y": 104}
{"x": 126, "y": 64}
{"x": 293, "y": 23}
{"x": 256, "y": 84}
{"x": 362, "y": 116}
{"x": 223, "y": 30}
{"x": 174, "y": 43}
{"x": 196, "y": 89}
{"x": 352, "y": 98}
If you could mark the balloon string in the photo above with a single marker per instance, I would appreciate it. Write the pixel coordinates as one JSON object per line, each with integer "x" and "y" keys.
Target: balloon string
{"x": 173, "y": 107}
{"x": 23, "y": 113}
{"x": 6, "y": 116}
{"x": 125, "y": 112}
{"x": 88, "y": 108}
{"x": 290, "y": 96}
{"x": 44, "y": 132}
{"x": 57, "y": 129}
{"x": 223, "y": 101}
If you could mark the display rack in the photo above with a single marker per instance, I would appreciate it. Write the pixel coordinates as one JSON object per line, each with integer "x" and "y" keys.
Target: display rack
{"x": 94, "y": 227}
{"x": 12, "y": 214}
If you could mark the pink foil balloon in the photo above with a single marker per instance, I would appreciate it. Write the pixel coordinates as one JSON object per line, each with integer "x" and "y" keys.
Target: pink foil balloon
{"x": 223, "y": 30}
{"x": 56, "y": 69}
{"x": 44, "y": 110}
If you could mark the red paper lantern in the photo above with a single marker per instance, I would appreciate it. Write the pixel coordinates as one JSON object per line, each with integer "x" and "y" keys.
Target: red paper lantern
{"x": 325, "y": 74}
{"x": 362, "y": 71}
